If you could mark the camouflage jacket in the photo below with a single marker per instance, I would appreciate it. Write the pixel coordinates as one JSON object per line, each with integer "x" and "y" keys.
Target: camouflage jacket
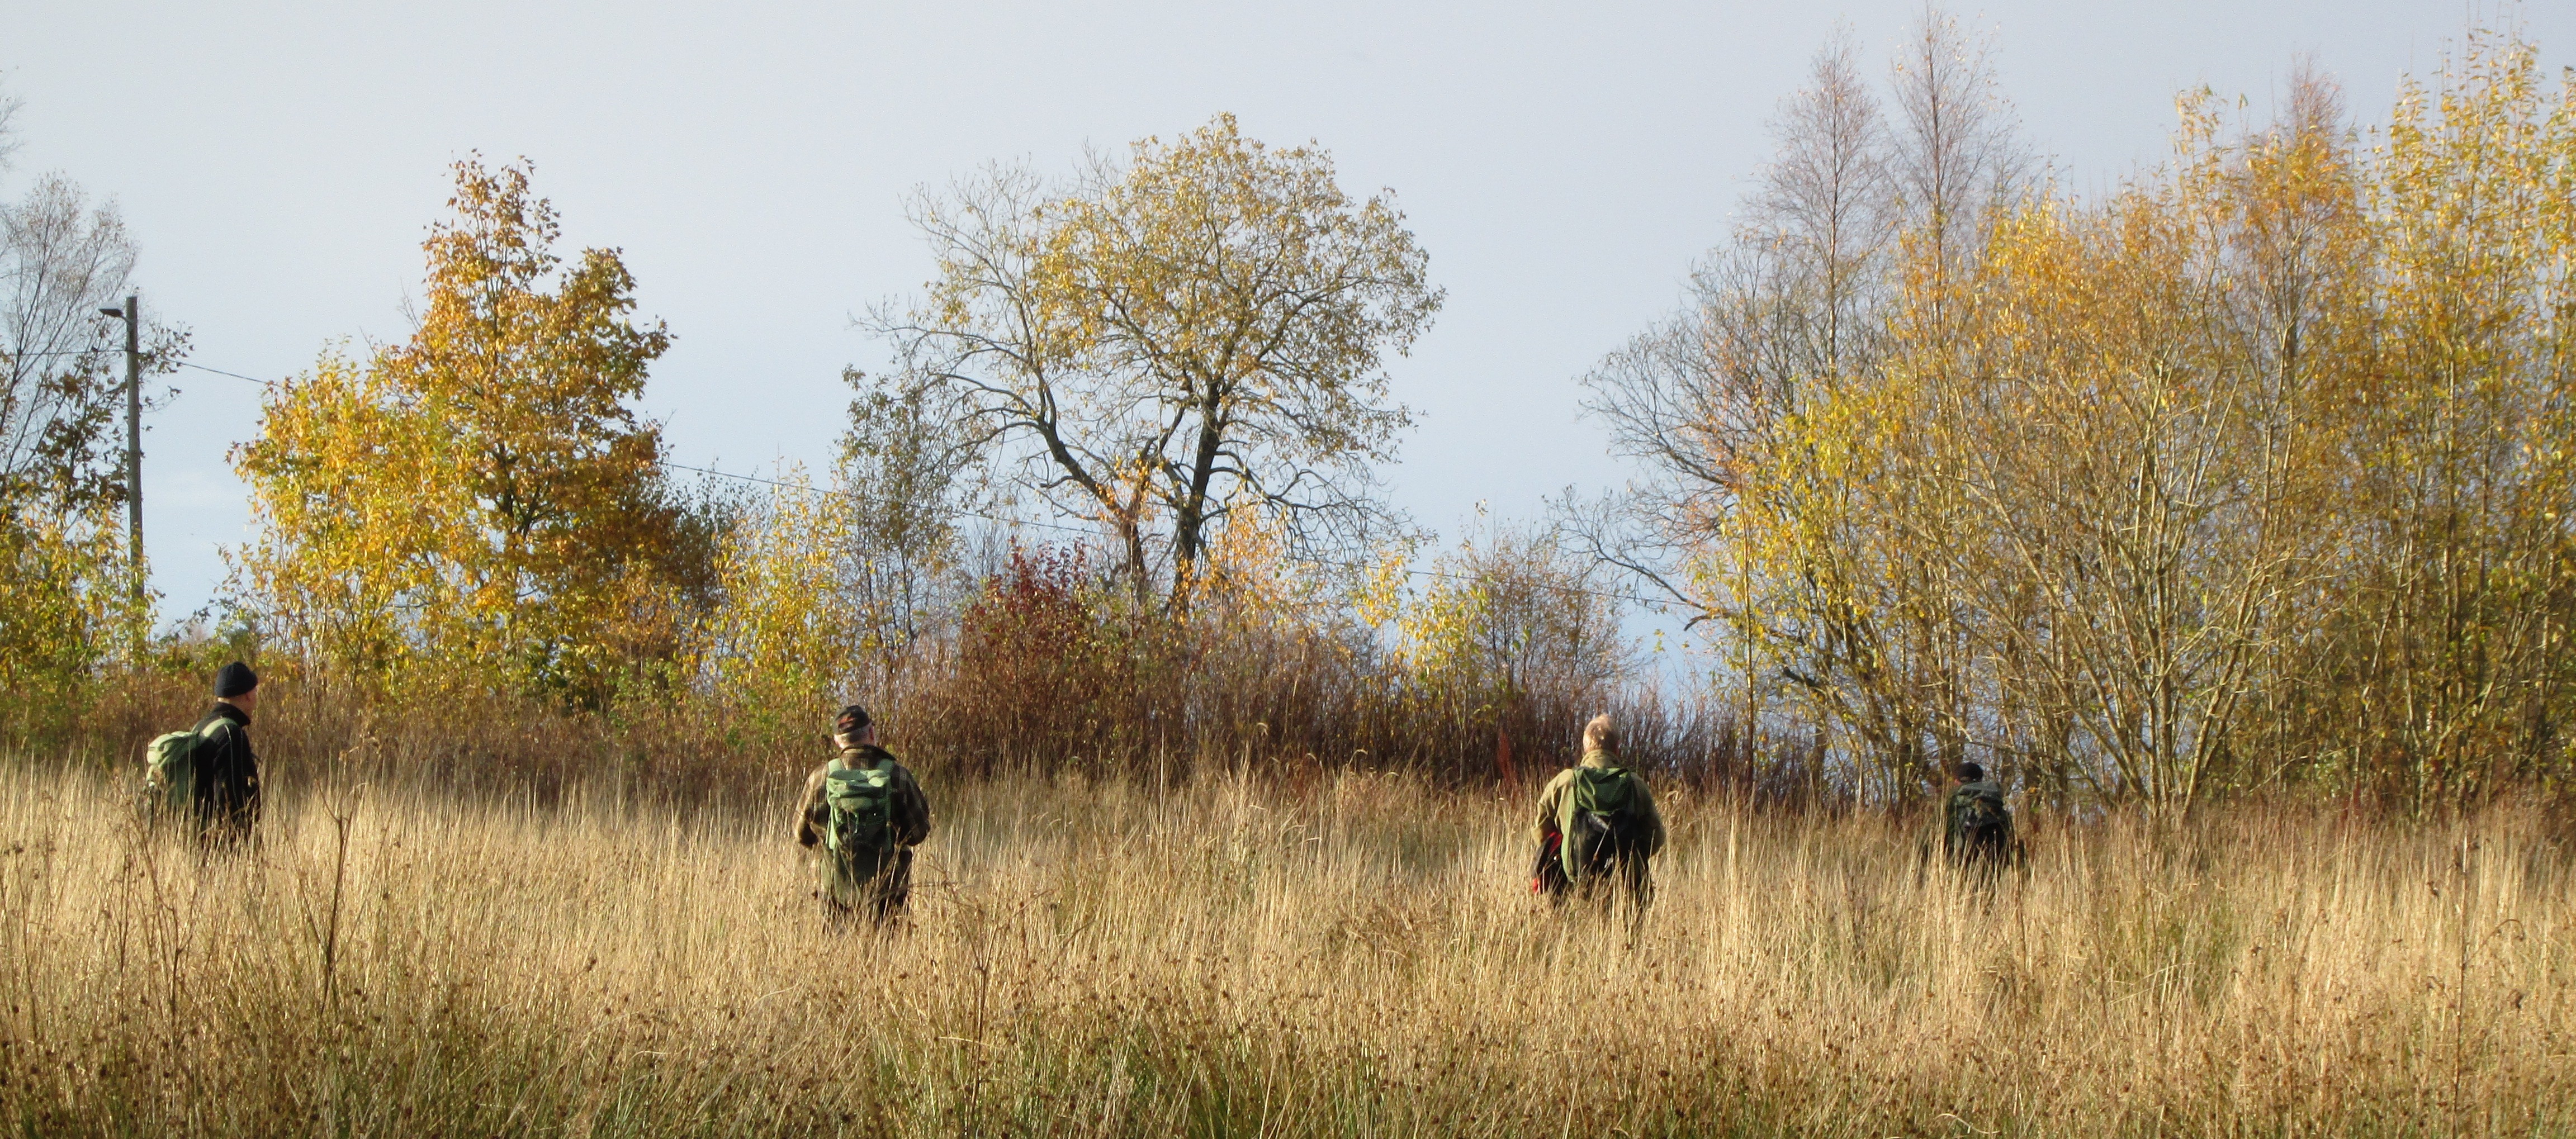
{"x": 1958, "y": 802}
{"x": 911, "y": 821}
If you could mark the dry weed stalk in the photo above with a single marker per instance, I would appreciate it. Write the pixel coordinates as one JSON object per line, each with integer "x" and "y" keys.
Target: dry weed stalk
{"x": 1236, "y": 957}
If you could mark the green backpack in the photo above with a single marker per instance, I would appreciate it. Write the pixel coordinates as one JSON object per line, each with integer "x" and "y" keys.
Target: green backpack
{"x": 170, "y": 767}
{"x": 1598, "y": 820}
{"x": 862, "y": 804}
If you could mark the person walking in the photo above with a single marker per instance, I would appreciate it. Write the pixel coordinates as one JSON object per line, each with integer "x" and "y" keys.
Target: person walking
{"x": 866, "y": 811}
{"x": 1976, "y": 826}
{"x": 1598, "y": 826}
{"x": 208, "y": 775}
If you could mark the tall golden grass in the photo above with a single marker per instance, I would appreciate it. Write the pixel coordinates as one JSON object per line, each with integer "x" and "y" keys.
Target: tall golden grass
{"x": 1350, "y": 955}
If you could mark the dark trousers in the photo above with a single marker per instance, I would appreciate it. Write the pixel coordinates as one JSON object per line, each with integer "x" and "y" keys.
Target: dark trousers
{"x": 866, "y": 885}
{"x": 1627, "y": 876}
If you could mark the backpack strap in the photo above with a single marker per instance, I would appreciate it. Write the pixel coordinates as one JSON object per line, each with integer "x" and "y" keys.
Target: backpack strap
{"x": 217, "y": 731}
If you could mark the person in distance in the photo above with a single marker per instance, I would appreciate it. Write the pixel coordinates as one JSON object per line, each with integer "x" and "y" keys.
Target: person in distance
{"x": 207, "y": 778}
{"x": 1976, "y": 826}
{"x": 1597, "y": 826}
{"x": 866, "y": 811}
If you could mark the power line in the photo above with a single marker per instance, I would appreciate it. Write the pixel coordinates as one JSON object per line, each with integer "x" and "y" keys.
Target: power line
{"x": 98, "y": 351}
{"x": 235, "y": 375}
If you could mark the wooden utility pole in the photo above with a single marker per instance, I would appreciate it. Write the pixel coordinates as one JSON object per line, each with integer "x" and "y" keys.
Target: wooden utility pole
{"x": 134, "y": 438}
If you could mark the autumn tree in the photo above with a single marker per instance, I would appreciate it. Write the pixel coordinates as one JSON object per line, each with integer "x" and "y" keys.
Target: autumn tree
{"x": 797, "y": 620}
{"x": 68, "y": 586}
{"x": 2249, "y": 470}
{"x": 1160, "y": 344}
{"x": 1515, "y": 634}
{"x": 1797, "y": 549}
{"x": 2140, "y": 451}
{"x": 481, "y": 502}
{"x": 908, "y": 476}
{"x": 2454, "y": 660}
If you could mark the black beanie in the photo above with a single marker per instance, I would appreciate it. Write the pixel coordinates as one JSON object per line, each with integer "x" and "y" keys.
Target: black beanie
{"x": 853, "y": 719}
{"x": 234, "y": 679}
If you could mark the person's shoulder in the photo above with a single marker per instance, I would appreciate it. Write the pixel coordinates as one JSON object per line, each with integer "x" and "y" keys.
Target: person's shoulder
{"x": 1983, "y": 789}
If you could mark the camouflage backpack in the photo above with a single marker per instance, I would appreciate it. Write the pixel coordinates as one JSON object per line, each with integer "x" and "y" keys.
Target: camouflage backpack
{"x": 170, "y": 767}
{"x": 1980, "y": 825}
{"x": 1599, "y": 820}
{"x": 862, "y": 804}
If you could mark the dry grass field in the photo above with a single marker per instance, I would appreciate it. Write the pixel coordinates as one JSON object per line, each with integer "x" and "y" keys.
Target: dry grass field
{"x": 1355, "y": 955}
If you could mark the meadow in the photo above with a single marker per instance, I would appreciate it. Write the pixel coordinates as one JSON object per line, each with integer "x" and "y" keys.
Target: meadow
{"x": 1325, "y": 953}
{"x": 2220, "y": 510}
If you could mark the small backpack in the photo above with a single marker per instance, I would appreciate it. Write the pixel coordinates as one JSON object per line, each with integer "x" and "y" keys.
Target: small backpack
{"x": 1980, "y": 825}
{"x": 170, "y": 767}
{"x": 862, "y": 804}
{"x": 1599, "y": 821}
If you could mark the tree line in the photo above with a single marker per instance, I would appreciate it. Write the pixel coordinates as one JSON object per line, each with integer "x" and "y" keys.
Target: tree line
{"x": 2247, "y": 474}
{"x": 2252, "y": 472}
{"x": 1117, "y": 497}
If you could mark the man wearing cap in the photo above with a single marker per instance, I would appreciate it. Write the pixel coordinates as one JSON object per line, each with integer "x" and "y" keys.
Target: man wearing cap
{"x": 867, "y": 812}
{"x": 227, "y": 797}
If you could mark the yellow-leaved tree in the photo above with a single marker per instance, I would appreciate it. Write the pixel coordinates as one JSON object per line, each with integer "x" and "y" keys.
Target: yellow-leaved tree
{"x": 480, "y": 508}
{"x": 2250, "y": 470}
{"x": 798, "y": 622}
{"x": 1199, "y": 333}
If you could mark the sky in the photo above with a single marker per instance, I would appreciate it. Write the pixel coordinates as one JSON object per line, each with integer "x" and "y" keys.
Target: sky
{"x": 1563, "y": 164}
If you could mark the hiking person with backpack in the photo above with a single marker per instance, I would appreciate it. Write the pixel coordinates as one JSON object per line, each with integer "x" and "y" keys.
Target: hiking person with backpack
{"x": 208, "y": 776}
{"x": 1976, "y": 826}
{"x": 867, "y": 813}
{"x": 1597, "y": 825}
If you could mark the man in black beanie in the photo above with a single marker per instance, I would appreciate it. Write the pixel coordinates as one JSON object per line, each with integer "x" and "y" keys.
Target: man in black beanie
{"x": 227, "y": 770}
{"x": 867, "y": 813}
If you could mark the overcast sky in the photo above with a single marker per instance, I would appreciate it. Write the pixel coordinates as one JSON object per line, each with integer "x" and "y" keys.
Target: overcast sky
{"x": 1563, "y": 163}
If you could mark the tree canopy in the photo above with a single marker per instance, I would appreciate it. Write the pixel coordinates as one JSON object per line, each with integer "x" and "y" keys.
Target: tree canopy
{"x": 480, "y": 501}
{"x": 1160, "y": 344}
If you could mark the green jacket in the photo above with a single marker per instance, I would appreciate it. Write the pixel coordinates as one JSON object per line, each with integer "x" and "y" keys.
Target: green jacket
{"x": 1551, "y": 802}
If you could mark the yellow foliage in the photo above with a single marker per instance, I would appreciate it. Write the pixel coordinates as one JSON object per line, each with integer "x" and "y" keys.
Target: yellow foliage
{"x": 1198, "y": 334}
{"x": 788, "y": 638}
{"x": 478, "y": 506}
{"x": 2261, "y": 453}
